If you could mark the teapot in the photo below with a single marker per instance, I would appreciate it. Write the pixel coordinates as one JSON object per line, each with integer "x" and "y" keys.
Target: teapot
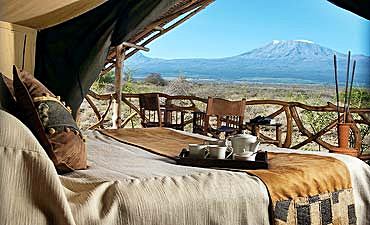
{"x": 244, "y": 143}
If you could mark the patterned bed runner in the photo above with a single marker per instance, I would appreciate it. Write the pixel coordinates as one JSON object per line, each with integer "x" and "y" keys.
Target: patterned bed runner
{"x": 308, "y": 189}
{"x": 305, "y": 189}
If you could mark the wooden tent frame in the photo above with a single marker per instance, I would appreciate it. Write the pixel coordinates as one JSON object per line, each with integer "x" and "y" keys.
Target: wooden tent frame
{"x": 176, "y": 15}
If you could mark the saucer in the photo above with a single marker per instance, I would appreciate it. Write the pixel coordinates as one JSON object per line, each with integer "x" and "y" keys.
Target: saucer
{"x": 245, "y": 156}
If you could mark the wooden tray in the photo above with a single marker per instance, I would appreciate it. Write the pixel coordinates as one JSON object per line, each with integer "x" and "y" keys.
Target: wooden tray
{"x": 261, "y": 162}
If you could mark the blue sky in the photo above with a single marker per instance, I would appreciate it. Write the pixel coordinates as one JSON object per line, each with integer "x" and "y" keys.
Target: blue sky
{"x": 231, "y": 27}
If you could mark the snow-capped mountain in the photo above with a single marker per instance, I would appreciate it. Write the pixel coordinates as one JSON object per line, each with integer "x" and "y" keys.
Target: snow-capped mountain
{"x": 296, "y": 61}
{"x": 298, "y": 49}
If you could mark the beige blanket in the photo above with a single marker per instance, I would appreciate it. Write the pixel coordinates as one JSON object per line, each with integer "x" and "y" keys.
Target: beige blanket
{"x": 127, "y": 185}
{"x": 303, "y": 188}
{"x": 124, "y": 185}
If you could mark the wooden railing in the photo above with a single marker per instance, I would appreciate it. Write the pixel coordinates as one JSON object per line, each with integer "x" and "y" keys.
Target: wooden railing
{"x": 289, "y": 111}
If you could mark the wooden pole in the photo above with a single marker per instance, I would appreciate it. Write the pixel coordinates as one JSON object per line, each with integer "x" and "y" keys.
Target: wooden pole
{"x": 24, "y": 50}
{"x": 336, "y": 86}
{"x": 350, "y": 89}
{"x": 116, "y": 117}
{"x": 346, "y": 91}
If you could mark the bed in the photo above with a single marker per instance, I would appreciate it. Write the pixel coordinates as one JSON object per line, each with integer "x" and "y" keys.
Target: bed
{"x": 126, "y": 184}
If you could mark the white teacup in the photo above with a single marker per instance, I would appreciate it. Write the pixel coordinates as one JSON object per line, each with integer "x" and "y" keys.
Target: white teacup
{"x": 197, "y": 151}
{"x": 216, "y": 142}
{"x": 217, "y": 152}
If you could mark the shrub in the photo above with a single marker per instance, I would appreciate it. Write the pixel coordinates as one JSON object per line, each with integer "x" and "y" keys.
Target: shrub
{"x": 107, "y": 78}
{"x": 179, "y": 86}
{"x": 156, "y": 79}
{"x": 128, "y": 84}
{"x": 360, "y": 98}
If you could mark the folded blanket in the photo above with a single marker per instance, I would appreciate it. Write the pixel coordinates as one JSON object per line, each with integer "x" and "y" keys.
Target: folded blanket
{"x": 308, "y": 189}
{"x": 304, "y": 189}
{"x": 162, "y": 141}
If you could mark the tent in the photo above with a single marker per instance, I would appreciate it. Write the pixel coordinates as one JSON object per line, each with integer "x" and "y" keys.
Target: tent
{"x": 68, "y": 43}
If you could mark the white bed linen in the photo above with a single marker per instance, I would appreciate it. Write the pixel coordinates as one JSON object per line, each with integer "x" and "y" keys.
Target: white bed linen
{"x": 150, "y": 191}
{"x": 192, "y": 195}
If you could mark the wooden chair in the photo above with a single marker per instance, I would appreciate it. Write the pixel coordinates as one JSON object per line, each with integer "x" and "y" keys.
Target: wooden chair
{"x": 229, "y": 117}
{"x": 150, "y": 110}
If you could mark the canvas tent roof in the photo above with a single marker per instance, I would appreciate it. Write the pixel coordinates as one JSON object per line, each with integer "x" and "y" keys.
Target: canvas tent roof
{"x": 74, "y": 37}
{"x": 359, "y": 7}
{"x": 40, "y": 14}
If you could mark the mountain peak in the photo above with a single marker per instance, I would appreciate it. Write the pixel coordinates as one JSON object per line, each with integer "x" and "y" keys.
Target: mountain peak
{"x": 275, "y": 42}
{"x": 290, "y": 49}
{"x": 305, "y": 41}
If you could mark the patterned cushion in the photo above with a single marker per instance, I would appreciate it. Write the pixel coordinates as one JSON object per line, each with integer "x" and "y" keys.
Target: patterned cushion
{"x": 50, "y": 121}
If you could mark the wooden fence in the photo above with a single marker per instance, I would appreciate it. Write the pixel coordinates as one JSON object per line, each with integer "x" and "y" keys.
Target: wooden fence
{"x": 290, "y": 111}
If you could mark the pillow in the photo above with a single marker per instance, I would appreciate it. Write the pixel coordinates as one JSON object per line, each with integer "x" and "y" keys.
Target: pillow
{"x": 7, "y": 101}
{"x": 50, "y": 121}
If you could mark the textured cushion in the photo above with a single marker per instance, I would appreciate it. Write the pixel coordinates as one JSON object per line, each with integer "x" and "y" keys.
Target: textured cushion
{"x": 50, "y": 121}
{"x": 7, "y": 101}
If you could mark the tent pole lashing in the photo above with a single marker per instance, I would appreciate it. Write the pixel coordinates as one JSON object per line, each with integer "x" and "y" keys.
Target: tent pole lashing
{"x": 126, "y": 44}
{"x": 158, "y": 28}
{"x": 116, "y": 117}
{"x": 135, "y": 46}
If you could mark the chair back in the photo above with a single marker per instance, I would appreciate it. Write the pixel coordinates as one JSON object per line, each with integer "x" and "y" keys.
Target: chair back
{"x": 150, "y": 110}
{"x": 228, "y": 113}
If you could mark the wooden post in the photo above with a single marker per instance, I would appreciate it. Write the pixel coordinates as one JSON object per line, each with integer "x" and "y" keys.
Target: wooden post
{"x": 256, "y": 130}
{"x": 278, "y": 135}
{"x": 120, "y": 57}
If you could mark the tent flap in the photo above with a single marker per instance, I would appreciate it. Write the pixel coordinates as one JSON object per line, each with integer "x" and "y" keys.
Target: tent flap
{"x": 71, "y": 55}
{"x": 359, "y": 7}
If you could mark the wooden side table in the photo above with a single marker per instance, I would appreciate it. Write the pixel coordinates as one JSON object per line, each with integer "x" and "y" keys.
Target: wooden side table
{"x": 255, "y": 129}
{"x": 198, "y": 122}
{"x": 174, "y": 118}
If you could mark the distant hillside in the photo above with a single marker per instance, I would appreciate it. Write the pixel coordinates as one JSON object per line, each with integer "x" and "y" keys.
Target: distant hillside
{"x": 296, "y": 61}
